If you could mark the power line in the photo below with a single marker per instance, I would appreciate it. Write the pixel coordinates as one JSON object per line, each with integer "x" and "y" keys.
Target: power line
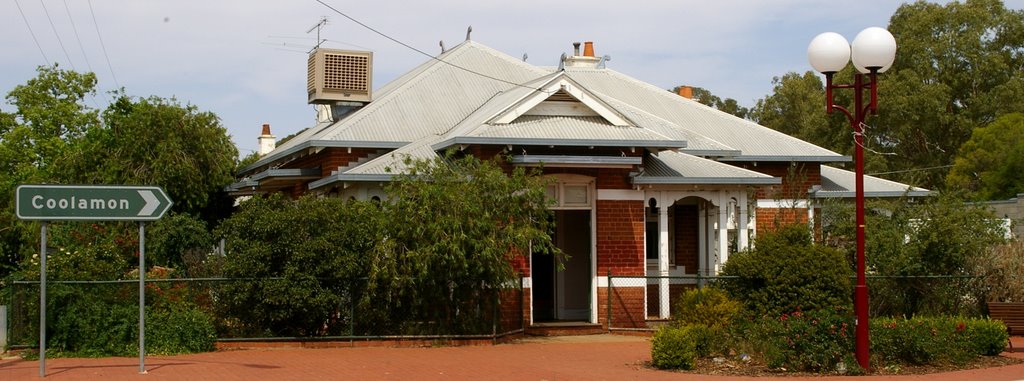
{"x": 77, "y": 37}
{"x": 59, "y": 41}
{"x": 910, "y": 170}
{"x": 103, "y": 46}
{"x": 47, "y": 60}
{"x": 84, "y": 55}
{"x": 420, "y": 51}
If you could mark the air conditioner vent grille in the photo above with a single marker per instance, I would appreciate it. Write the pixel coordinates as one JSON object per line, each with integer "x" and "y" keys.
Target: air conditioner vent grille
{"x": 345, "y": 72}
{"x": 339, "y": 75}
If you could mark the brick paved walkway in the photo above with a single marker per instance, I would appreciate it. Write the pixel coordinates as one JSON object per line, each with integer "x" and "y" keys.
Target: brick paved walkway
{"x": 600, "y": 357}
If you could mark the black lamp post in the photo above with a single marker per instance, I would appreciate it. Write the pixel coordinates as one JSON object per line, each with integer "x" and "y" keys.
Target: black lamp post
{"x": 873, "y": 52}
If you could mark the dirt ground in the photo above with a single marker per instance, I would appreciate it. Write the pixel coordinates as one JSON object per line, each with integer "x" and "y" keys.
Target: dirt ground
{"x": 598, "y": 357}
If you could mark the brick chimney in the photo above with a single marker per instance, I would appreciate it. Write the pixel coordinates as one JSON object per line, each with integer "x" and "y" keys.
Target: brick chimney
{"x": 267, "y": 141}
{"x": 686, "y": 92}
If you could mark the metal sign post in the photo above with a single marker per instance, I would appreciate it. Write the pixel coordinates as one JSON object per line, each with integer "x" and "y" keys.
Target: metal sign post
{"x": 142, "y": 297}
{"x": 47, "y": 203}
{"x": 42, "y": 301}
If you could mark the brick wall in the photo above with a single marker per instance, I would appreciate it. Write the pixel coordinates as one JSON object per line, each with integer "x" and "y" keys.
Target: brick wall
{"x": 627, "y": 306}
{"x": 620, "y": 237}
{"x": 770, "y": 219}
{"x": 797, "y": 178}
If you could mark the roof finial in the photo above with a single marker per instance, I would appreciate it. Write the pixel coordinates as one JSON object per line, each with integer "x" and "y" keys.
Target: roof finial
{"x": 468, "y": 31}
{"x": 442, "y": 46}
{"x": 525, "y": 56}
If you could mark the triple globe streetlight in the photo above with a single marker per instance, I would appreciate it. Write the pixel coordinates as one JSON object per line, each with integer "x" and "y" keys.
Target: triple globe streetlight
{"x": 873, "y": 51}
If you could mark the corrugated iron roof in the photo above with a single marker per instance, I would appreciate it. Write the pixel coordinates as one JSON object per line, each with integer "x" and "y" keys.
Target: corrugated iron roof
{"x": 679, "y": 168}
{"x": 748, "y": 137}
{"x": 839, "y": 183}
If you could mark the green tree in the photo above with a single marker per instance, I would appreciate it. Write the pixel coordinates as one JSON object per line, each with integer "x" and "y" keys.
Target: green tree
{"x": 158, "y": 141}
{"x": 37, "y": 137}
{"x": 955, "y": 66}
{"x": 705, "y": 97}
{"x": 915, "y": 242}
{"x": 991, "y": 163}
{"x": 456, "y": 226}
{"x": 308, "y": 257}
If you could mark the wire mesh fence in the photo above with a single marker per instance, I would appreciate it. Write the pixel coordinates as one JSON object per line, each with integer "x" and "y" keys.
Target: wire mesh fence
{"x": 261, "y": 309}
{"x": 647, "y": 302}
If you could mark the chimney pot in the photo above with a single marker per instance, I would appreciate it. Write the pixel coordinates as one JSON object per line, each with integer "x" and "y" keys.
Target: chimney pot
{"x": 588, "y": 49}
{"x": 266, "y": 129}
{"x": 576, "y": 48}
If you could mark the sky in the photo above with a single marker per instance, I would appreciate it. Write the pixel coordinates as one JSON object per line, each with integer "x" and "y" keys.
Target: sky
{"x": 245, "y": 60}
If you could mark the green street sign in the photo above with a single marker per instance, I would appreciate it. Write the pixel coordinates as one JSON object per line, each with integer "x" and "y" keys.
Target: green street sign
{"x": 91, "y": 202}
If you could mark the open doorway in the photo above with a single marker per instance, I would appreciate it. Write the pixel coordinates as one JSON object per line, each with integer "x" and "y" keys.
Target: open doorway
{"x": 564, "y": 294}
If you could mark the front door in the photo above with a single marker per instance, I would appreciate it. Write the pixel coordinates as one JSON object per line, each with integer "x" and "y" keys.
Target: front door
{"x": 564, "y": 294}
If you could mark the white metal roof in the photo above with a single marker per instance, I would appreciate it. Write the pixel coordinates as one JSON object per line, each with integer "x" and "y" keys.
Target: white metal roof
{"x": 839, "y": 183}
{"x": 752, "y": 140}
{"x": 679, "y": 168}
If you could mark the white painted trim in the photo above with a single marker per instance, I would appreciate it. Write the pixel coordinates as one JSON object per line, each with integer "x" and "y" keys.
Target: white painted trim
{"x": 779, "y": 204}
{"x": 602, "y": 281}
{"x": 528, "y": 282}
{"x": 620, "y": 195}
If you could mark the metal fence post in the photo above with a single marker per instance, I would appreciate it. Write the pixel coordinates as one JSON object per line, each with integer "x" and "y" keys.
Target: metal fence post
{"x": 3, "y": 327}
{"x": 608, "y": 299}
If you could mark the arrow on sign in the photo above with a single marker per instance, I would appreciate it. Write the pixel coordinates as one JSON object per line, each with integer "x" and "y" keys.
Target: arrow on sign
{"x": 151, "y": 203}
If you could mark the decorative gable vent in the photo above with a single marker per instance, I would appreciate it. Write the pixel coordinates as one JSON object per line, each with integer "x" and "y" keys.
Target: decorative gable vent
{"x": 339, "y": 75}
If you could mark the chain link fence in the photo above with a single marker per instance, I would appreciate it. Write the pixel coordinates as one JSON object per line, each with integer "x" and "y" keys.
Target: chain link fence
{"x": 263, "y": 309}
{"x": 889, "y": 296}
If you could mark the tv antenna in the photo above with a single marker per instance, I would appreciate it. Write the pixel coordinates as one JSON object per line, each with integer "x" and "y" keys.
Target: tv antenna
{"x": 317, "y": 27}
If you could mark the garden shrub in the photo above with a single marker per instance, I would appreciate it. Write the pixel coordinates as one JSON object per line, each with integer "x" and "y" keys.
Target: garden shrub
{"x": 935, "y": 340}
{"x": 813, "y": 341}
{"x": 709, "y": 306}
{"x": 181, "y": 329}
{"x": 674, "y": 347}
{"x": 785, "y": 272}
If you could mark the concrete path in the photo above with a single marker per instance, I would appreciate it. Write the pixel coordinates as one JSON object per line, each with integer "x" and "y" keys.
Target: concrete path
{"x": 601, "y": 357}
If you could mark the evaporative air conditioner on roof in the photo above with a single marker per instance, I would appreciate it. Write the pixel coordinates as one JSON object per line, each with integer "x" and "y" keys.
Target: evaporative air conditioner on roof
{"x": 339, "y": 75}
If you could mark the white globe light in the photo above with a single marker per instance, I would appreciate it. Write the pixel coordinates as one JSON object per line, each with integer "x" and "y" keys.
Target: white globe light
{"x": 828, "y": 52}
{"x": 874, "y": 48}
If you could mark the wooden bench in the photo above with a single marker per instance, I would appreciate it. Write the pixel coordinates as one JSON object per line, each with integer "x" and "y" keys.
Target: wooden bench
{"x": 1011, "y": 314}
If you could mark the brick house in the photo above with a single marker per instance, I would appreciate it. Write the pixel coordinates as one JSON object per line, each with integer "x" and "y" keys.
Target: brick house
{"x": 646, "y": 182}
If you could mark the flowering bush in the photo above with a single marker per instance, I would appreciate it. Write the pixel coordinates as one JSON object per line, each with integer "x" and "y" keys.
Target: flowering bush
{"x": 936, "y": 340}
{"x": 812, "y": 341}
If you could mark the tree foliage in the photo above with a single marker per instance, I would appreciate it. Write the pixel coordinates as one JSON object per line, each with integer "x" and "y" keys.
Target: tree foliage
{"x": 431, "y": 259}
{"x": 36, "y": 139}
{"x": 159, "y": 141}
{"x": 957, "y": 68}
{"x": 456, "y": 226}
{"x": 785, "y": 272}
{"x": 307, "y": 257}
{"x": 53, "y": 136}
{"x": 991, "y": 163}
{"x": 913, "y": 242}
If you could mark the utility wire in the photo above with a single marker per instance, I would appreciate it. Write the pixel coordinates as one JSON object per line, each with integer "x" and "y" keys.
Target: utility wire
{"x": 47, "y": 60}
{"x": 59, "y": 41}
{"x": 84, "y": 55}
{"x": 911, "y": 170}
{"x": 77, "y": 37}
{"x": 420, "y": 51}
{"x": 103, "y": 46}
